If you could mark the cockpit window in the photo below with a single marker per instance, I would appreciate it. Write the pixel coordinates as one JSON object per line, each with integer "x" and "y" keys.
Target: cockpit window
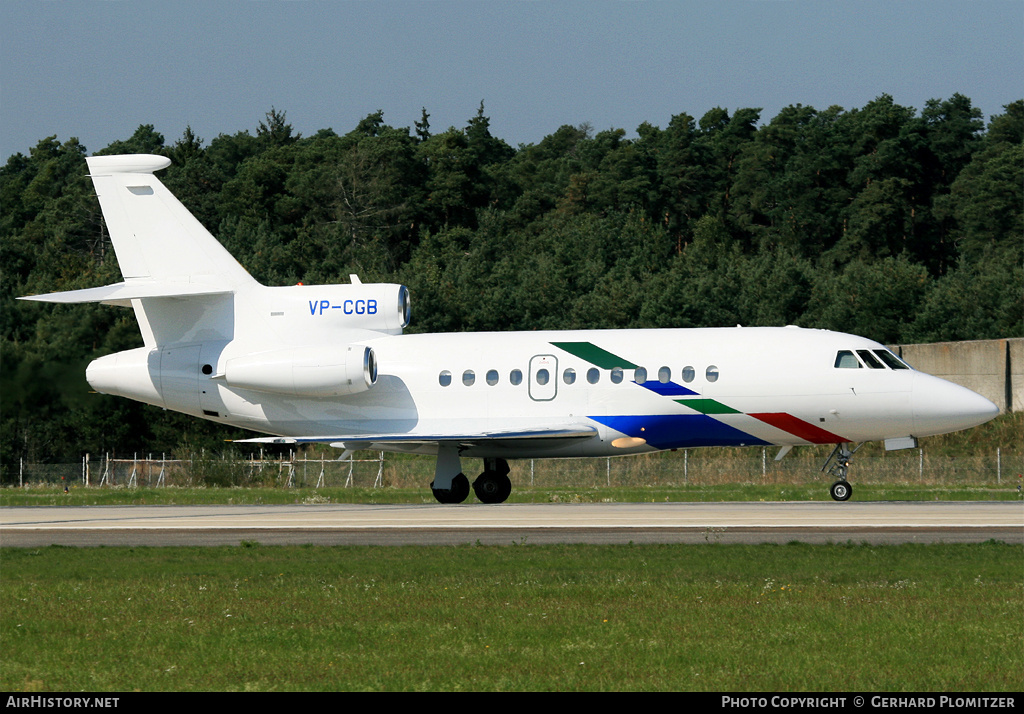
{"x": 870, "y": 360}
{"x": 892, "y": 360}
{"x": 846, "y": 360}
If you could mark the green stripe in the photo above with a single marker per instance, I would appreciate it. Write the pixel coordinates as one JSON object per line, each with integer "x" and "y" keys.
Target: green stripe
{"x": 595, "y": 355}
{"x": 707, "y": 406}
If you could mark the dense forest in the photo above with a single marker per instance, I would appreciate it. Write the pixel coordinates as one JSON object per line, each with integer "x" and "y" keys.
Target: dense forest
{"x": 898, "y": 225}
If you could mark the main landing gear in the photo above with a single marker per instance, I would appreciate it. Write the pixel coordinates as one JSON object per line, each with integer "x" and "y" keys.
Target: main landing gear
{"x": 456, "y": 493}
{"x": 837, "y": 464}
{"x": 451, "y": 485}
{"x": 493, "y": 485}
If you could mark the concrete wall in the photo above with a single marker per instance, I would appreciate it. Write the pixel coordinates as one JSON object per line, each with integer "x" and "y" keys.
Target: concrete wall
{"x": 992, "y": 368}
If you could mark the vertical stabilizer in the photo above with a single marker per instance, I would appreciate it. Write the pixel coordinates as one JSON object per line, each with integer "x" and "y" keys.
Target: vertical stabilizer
{"x": 180, "y": 280}
{"x": 154, "y": 235}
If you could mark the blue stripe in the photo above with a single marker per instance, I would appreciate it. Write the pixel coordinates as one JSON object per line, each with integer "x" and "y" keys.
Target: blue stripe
{"x": 668, "y": 389}
{"x": 680, "y": 431}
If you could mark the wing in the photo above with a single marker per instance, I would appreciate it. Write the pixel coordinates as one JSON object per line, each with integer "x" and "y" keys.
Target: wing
{"x": 492, "y": 438}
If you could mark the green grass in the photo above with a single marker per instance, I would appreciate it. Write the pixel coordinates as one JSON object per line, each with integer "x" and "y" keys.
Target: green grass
{"x": 713, "y": 617}
{"x": 818, "y": 491}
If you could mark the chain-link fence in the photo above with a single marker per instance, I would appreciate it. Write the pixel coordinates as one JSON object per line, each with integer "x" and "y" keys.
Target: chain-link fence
{"x": 377, "y": 469}
{"x": 151, "y": 471}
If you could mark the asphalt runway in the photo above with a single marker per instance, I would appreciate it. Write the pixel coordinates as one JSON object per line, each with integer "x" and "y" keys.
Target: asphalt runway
{"x": 516, "y": 523}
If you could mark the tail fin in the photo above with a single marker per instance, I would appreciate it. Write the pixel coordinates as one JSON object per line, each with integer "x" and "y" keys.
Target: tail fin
{"x": 164, "y": 253}
{"x": 154, "y": 235}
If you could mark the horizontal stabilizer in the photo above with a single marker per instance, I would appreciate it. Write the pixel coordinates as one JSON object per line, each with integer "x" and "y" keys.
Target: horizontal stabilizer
{"x": 122, "y": 293}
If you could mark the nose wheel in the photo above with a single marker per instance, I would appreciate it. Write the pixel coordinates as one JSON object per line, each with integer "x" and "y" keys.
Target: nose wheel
{"x": 840, "y": 491}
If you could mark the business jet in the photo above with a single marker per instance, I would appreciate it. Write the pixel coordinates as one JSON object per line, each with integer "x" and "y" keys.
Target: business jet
{"x": 329, "y": 364}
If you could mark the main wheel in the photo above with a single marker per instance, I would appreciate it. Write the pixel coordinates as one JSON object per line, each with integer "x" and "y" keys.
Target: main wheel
{"x": 492, "y": 487}
{"x": 456, "y": 494}
{"x": 841, "y": 491}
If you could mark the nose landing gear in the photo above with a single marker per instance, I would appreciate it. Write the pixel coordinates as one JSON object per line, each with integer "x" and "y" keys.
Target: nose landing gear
{"x": 838, "y": 464}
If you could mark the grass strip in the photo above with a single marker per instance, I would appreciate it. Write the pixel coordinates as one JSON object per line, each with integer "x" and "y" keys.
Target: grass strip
{"x": 199, "y": 495}
{"x": 841, "y": 617}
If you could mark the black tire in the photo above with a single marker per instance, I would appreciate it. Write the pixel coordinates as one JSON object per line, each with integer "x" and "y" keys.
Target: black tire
{"x": 492, "y": 487}
{"x": 456, "y": 494}
{"x": 841, "y": 491}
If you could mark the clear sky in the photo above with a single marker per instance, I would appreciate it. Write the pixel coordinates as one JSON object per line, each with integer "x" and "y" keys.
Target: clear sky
{"x": 98, "y": 69}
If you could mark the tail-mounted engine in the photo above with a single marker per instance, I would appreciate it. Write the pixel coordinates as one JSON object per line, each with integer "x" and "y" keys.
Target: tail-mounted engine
{"x": 320, "y": 309}
{"x": 299, "y": 340}
{"x": 324, "y": 371}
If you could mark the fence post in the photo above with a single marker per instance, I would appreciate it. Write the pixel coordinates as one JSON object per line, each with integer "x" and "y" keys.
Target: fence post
{"x": 131, "y": 477}
{"x": 999, "y": 465}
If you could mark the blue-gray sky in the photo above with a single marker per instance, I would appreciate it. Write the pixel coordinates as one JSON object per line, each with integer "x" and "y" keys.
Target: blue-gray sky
{"x": 96, "y": 70}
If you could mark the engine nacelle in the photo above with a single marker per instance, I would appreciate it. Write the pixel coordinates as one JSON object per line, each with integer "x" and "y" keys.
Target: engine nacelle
{"x": 321, "y": 371}
{"x": 304, "y": 310}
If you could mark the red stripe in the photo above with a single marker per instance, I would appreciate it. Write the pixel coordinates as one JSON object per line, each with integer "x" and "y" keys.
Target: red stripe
{"x": 800, "y": 428}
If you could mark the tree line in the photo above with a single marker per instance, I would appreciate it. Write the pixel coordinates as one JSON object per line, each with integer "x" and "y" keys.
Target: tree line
{"x": 900, "y": 225}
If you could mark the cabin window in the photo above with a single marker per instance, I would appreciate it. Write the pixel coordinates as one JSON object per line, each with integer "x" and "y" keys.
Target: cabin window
{"x": 593, "y": 375}
{"x": 617, "y": 375}
{"x": 569, "y": 376}
{"x": 711, "y": 373}
{"x": 542, "y": 376}
{"x": 445, "y": 378}
{"x": 846, "y": 360}
{"x": 892, "y": 360}
{"x": 639, "y": 375}
{"x": 468, "y": 377}
{"x": 664, "y": 375}
{"x": 688, "y": 373}
{"x": 492, "y": 377}
{"x": 515, "y": 377}
{"x": 870, "y": 360}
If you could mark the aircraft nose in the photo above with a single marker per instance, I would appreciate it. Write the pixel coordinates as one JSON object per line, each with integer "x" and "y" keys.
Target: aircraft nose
{"x": 941, "y": 407}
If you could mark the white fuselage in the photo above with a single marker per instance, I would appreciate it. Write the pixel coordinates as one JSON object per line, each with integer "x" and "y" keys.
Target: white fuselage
{"x": 704, "y": 387}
